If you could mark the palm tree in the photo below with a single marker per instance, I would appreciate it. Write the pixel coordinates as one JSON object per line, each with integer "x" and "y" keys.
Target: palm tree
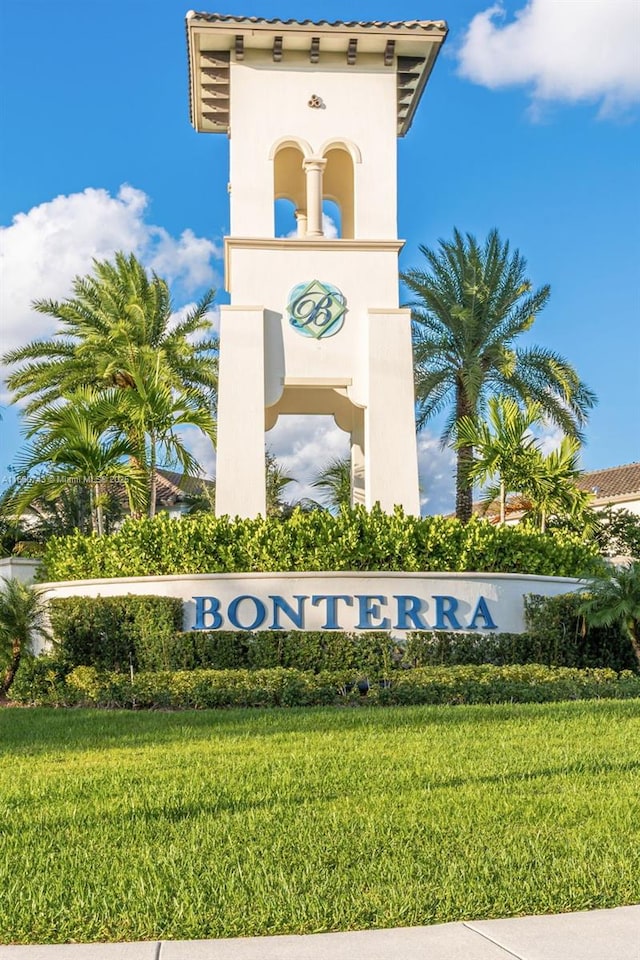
{"x": 334, "y": 482}
{"x": 118, "y": 339}
{"x": 551, "y": 489}
{"x": 149, "y": 416}
{"x": 616, "y": 599}
{"x": 21, "y": 620}
{"x": 470, "y": 304}
{"x": 503, "y": 447}
{"x": 275, "y": 482}
{"x": 115, "y": 315}
{"x": 72, "y": 443}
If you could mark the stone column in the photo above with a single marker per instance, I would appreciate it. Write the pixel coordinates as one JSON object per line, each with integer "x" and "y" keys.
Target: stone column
{"x": 358, "y": 485}
{"x": 301, "y": 222}
{"x": 314, "y": 169}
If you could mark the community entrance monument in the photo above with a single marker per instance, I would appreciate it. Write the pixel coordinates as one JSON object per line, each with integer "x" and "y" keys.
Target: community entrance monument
{"x": 312, "y": 111}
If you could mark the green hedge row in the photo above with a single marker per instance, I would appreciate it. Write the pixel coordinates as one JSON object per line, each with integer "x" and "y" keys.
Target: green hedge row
{"x": 144, "y": 632}
{"x": 115, "y": 633}
{"x": 354, "y": 540}
{"x": 42, "y": 683}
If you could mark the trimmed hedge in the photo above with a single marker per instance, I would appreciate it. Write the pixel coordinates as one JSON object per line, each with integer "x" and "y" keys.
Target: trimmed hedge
{"x": 41, "y": 683}
{"x": 303, "y": 650}
{"x": 354, "y": 540}
{"x": 115, "y": 633}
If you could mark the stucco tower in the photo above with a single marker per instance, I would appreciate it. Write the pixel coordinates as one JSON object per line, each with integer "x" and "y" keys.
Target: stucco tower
{"x": 312, "y": 111}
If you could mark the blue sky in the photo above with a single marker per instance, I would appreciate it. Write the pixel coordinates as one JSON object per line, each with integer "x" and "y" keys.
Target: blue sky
{"x": 530, "y": 123}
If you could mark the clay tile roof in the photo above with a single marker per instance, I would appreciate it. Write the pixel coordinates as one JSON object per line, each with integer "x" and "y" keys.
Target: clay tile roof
{"x": 173, "y": 487}
{"x": 362, "y": 24}
{"x": 613, "y": 482}
{"x": 216, "y": 40}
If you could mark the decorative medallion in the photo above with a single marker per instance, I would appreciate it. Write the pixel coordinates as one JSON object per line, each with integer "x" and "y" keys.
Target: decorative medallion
{"x": 316, "y": 309}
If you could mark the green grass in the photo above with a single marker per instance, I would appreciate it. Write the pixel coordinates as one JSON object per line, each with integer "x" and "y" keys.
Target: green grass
{"x": 118, "y": 826}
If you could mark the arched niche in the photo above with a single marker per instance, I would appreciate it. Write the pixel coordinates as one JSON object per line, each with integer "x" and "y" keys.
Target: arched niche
{"x": 339, "y": 184}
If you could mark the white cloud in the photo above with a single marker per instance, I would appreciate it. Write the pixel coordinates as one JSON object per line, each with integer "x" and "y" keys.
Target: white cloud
{"x": 436, "y": 468}
{"x": 46, "y": 247}
{"x": 548, "y": 437}
{"x": 303, "y": 446}
{"x": 329, "y": 227}
{"x": 187, "y": 259}
{"x": 587, "y": 50}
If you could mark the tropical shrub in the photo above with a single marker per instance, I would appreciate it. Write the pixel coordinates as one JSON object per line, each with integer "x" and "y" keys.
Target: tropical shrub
{"x": 279, "y": 687}
{"x": 618, "y": 533}
{"x": 145, "y": 632}
{"x": 22, "y": 619}
{"x": 560, "y": 633}
{"x": 614, "y": 601}
{"x": 353, "y": 540}
{"x": 41, "y": 680}
{"x": 116, "y": 633}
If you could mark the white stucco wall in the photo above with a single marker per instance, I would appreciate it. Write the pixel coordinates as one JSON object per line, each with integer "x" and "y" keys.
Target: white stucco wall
{"x": 503, "y": 593}
{"x": 270, "y": 102}
{"x": 18, "y": 568}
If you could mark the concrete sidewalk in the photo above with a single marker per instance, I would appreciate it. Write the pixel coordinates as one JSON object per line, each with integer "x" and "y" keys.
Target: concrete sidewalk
{"x": 597, "y": 935}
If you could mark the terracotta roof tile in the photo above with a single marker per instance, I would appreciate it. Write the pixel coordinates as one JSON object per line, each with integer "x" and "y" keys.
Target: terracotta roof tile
{"x": 362, "y": 24}
{"x": 173, "y": 487}
{"x": 612, "y": 481}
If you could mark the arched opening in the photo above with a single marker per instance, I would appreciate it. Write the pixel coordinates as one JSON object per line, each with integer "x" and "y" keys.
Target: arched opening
{"x": 305, "y": 446}
{"x": 339, "y": 187}
{"x": 331, "y": 219}
{"x": 286, "y": 224}
{"x": 289, "y": 183}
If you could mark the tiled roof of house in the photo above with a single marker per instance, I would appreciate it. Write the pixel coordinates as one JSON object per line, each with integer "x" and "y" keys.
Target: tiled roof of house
{"x": 174, "y": 487}
{"x": 612, "y": 482}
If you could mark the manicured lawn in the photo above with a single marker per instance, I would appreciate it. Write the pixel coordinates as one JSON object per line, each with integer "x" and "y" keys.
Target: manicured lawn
{"x": 119, "y": 825}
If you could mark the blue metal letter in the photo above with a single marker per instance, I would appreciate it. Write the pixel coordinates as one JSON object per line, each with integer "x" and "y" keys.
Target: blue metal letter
{"x": 409, "y": 609}
{"x": 332, "y": 605}
{"x": 281, "y": 605}
{"x": 261, "y": 612}
{"x": 446, "y": 613}
{"x": 370, "y": 607}
{"x": 482, "y": 610}
{"x": 202, "y": 611}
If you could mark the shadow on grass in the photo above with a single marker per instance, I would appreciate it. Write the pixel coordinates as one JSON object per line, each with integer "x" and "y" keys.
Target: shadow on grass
{"x": 41, "y": 730}
{"x": 224, "y": 803}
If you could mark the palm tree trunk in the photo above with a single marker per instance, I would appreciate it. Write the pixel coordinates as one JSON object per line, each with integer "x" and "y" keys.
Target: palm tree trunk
{"x": 464, "y": 487}
{"x": 632, "y": 631}
{"x": 543, "y": 521}
{"x": 92, "y": 507}
{"x": 153, "y": 479}
{"x": 12, "y": 668}
{"x": 99, "y": 509}
{"x": 502, "y": 502}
